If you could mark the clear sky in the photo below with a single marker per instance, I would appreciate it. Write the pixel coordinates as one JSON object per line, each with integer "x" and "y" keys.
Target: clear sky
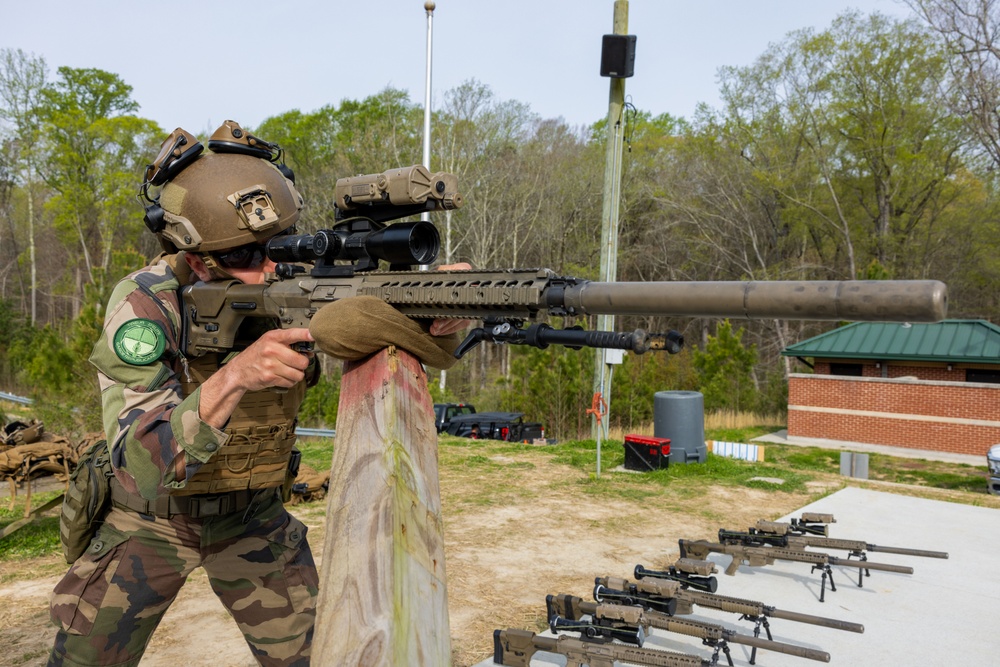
{"x": 194, "y": 64}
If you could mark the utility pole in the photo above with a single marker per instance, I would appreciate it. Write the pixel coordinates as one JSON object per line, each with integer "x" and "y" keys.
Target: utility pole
{"x": 617, "y": 59}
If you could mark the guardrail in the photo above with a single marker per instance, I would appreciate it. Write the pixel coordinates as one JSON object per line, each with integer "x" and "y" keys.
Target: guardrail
{"x": 15, "y": 399}
{"x": 315, "y": 432}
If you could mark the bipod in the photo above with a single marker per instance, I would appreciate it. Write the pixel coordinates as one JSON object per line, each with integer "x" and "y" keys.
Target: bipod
{"x": 827, "y": 572}
{"x": 862, "y": 556}
{"x": 720, "y": 645}
{"x": 757, "y": 621}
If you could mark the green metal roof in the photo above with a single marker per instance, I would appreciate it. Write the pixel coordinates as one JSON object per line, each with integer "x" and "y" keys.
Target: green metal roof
{"x": 975, "y": 341}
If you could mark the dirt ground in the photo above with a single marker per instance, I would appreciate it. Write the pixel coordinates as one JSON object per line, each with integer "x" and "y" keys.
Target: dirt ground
{"x": 517, "y": 527}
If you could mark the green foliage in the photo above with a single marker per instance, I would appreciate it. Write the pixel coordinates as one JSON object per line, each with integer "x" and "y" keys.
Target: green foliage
{"x": 725, "y": 370}
{"x": 44, "y": 361}
{"x": 319, "y": 409}
{"x": 54, "y": 364}
{"x": 553, "y": 385}
{"x": 14, "y": 330}
{"x": 95, "y": 150}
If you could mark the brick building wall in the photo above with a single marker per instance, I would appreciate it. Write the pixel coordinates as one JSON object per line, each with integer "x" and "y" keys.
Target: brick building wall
{"x": 925, "y": 413}
{"x": 941, "y": 372}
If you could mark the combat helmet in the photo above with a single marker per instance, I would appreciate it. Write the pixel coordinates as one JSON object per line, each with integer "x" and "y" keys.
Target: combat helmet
{"x": 236, "y": 193}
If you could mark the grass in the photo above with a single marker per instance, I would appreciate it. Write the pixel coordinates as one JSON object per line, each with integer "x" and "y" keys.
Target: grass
{"x": 36, "y": 539}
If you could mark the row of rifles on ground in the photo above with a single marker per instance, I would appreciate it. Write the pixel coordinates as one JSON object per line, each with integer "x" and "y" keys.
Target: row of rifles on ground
{"x": 614, "y": 626}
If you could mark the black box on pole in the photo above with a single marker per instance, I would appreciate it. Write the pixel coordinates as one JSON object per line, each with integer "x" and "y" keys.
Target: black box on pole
{"x": 618, "y": 56}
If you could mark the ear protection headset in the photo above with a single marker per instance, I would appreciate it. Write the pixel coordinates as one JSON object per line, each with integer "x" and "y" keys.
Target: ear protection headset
{"x": 176, "y": 152}
{"x": 181, "y": 148}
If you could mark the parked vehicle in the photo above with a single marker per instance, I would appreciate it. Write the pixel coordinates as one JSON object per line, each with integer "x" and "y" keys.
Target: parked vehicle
{"x": 444, "y": 412}
{"x": 509, "y": 426}
{"x": 993, "y": 461}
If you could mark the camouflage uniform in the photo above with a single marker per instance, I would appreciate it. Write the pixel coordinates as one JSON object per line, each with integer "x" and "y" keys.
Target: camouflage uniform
{"x": 257, "y": 557}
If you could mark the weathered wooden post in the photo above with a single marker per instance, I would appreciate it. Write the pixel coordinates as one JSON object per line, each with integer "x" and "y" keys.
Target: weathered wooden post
{"x": 383, "y": 599}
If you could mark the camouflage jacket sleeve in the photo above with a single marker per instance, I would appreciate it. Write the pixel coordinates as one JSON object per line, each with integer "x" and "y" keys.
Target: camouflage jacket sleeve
{"x": 157, "y": 437}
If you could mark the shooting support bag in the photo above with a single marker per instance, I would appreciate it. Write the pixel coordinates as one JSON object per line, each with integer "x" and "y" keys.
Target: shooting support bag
{"x": 86, "y": 502}
{"x": 354, "y": 328}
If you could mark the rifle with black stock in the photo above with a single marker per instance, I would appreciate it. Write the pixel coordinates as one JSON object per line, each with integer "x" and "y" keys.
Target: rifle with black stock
{"x": 634, "y": 620}
{"x": 344, "y": 261}
{"x": 515, "y": 648}
{"x": 670, "y": 598}
{"x": 756, "y": 553}
{"x": 858, "y": 548}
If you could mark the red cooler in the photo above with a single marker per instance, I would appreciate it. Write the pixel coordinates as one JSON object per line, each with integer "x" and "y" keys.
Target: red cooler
{"x": 644, "y": 452}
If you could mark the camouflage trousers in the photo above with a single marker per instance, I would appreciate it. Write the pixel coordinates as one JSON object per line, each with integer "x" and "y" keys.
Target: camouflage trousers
{"x": 259, "y": 565}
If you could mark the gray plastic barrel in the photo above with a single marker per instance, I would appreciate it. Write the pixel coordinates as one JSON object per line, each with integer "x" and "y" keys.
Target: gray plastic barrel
{"x": 680, "y": 416}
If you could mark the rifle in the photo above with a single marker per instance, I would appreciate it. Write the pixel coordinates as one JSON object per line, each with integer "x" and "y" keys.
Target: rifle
{"x": 516, "y": 647}
{"x": 634, "y": 620}
{"x": 659, "y": 594}
{"x": 794, "y": 538}
{"x": 688, "y": 572}
{"x": 758, "y": 556}
{"x": 344, "y": 261}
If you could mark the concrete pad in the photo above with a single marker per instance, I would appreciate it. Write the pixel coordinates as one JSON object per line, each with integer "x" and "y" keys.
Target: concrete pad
{"x": 943, "y": 614}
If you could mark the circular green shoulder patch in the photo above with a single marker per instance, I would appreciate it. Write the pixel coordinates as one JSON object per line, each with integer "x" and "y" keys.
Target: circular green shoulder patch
{"x": 139, "y": 342}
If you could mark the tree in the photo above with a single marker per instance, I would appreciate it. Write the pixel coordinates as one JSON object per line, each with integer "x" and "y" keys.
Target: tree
{"x": 95, "y": 149}
{"x": 835, "y": 156}
{"x": 865, "y": 144}
{"x": 725, "y": 369}
{"x": 481, "y": 140}
{"x": 971, "y": 32}
{"x": 369, "y": 136}
{"x": 22, "y": 88}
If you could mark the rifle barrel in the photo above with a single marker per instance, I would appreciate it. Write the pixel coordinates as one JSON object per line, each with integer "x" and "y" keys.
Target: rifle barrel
{"x": 752, "y": 608}
{"x": 907, "y": 552}
{"x": 778, "y": 647}
{"x": 859, "y": 545}
{"x": 869, "y": 565}
{"x": 832, "y": 623}
{"x": 712, "y": 631}
{"x": 856, "y": 300}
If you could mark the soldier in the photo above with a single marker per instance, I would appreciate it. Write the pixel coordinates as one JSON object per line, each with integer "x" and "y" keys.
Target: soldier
{"x": 199, "y": 446}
